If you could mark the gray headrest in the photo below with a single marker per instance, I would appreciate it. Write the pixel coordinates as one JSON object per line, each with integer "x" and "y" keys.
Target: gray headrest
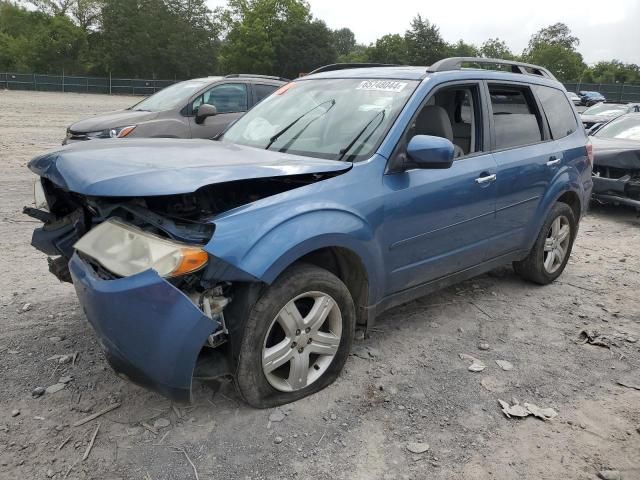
{"x": 434, "y": 120}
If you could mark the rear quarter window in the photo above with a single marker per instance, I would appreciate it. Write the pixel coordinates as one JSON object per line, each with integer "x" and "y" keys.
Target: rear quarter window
{"x": 559, "y": 113}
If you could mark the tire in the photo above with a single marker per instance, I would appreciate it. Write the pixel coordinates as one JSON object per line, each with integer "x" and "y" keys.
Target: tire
{"x": 275, "y": 343}
{"x": 537, "y": 267}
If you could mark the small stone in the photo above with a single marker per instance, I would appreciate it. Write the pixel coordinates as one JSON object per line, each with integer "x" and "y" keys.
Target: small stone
{"x": 610, "y": 475}
{"x": 631, "y": 339}
{"x": 49, "y": 473}
{"x": 55, "y": 388}
{"x": 55, "y": 339}
{"x": 477, "y": 366}
{"x": 26, "y": 307}
{"x": 504, "y": 365}
{"x": 276, "y": 416}
{"x": 483, "y": 346}
{"x": 161, "y": 423}
{"x": 65, "y": 379}
{"x": 334, "y": 416}
{"x": 37, "y": 392}
{"x": 417, "y": 447}
{"x": 133, "y": 431}
{"x": 278, "y": 440}
{"x": 15, "y": 413}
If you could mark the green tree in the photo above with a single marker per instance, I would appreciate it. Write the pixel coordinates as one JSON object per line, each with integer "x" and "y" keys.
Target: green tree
{"x": 277, "y": 37}
{"x": 496, "y": 48}
{"x": 613, "y": 71}
{"x": 424, "y": 43}
{"x": 390, "y": 48}
{"x": 344, "y": 41}
{"x": 555, "y": 48}
{"x": 359, "y": 54}
{"x": 462, "y": 49}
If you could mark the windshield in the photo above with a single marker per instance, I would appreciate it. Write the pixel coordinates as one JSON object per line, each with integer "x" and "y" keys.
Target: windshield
{"x": 622, "y": 127}
{"x": 606, "y": 109}
{"x": 341, "y": 119}
{"x": 170, "y": 97}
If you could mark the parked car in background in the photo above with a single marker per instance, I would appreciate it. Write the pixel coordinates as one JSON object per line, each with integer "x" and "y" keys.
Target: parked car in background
{"x": 575, "y": 99}
{"x": 601, "y": 113}
{"x": 589, "y": 98}
{"x": 198, "y": 108}
{"x": 616, "y": 170}
{"x": 343, "y": 194}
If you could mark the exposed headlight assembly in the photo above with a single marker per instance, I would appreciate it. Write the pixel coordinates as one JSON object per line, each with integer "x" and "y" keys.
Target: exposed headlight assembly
{"x": 127, "y": 250}
{"x": 117, "y": 132}
{"x": 39, "y": 197}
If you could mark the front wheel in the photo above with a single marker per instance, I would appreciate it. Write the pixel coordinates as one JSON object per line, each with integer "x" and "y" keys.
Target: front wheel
{"x": 550, "y": 254}
{"x": 297, "y": 337}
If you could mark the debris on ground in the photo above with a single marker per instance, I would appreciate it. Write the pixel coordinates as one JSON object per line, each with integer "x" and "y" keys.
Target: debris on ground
{"x": 592, "y": 337}
{"x": 276, "y": 416}
{"x": 522, "y": 411}
{"x": 97, "y": 414}
{"x": 504, "y": 365}
{"x": 483, "y": 346}
{"x": 26, "y": 307}
{"x": 366, "y": 353}
{"x": 631, "y": 339}
{"x": 15, "y": 413}
{"x": 476, "y": 364}
{"x": 65, "y": 379}
{"x": 417, "y": 447}
{"x": 629, "y": 384}
{"x": 277, "y": 440}
{"x": 161, "y": 423}
{"x": 55, "y": 388}
{"x": 610, "y": 475}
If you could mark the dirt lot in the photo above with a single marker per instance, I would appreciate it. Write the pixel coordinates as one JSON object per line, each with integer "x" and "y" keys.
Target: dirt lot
{"x": 405, "y": 384}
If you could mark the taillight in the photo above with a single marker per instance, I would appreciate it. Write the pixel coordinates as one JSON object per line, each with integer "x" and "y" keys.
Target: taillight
{"x": 590, "y": 153}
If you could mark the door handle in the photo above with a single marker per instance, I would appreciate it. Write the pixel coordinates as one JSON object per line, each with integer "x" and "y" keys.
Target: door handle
{"x": 553, "y": 161}
{"x": 486, "y": 179}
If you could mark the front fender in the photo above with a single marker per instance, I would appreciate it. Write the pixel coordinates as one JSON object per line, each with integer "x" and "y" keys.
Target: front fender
{"x": 281, "y": 244}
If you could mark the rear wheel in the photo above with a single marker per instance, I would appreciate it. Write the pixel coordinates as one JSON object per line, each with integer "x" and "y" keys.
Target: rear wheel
{"x": 297, "y": 337}
{"x": 550, "y": 254}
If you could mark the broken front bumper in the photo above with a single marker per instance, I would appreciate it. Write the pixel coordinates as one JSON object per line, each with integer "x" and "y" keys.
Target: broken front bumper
{"x": 150, "y": 331}
{"x": 624, "y": 190}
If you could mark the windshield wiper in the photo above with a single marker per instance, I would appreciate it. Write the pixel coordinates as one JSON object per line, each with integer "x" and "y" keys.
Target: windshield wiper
{"x": 344, "y": 151}
{"x": 281, "y": 132}
{"x": 286, "y": 146}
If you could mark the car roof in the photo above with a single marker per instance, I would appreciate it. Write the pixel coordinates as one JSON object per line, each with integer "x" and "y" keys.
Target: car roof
{"x": 421, "y": 73}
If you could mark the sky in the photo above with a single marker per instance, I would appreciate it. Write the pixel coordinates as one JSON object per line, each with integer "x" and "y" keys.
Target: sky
{"x": 606, "y": 30}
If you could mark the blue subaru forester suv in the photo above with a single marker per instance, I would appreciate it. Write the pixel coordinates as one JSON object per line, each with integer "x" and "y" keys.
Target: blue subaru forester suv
{"x": 345, "y": 193}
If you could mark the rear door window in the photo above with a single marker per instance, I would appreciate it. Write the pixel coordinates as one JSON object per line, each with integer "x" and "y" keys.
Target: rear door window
{"x": 516, "y": 119}
{"x": 260, "y": 92}
{"x": 558, "y": 111}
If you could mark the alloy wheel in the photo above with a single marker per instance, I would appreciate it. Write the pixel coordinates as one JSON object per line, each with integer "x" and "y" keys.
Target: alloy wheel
{"x": 556, "y": 244}
{"x": 302, "y": 341}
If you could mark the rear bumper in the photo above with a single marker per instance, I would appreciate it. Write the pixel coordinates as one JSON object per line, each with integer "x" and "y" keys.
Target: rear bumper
{"x": 150, "y": 331}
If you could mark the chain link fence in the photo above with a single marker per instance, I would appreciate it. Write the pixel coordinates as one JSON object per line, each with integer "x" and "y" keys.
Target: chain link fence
{"x": 613, "y": 92}
{"x": 79, "y": 84}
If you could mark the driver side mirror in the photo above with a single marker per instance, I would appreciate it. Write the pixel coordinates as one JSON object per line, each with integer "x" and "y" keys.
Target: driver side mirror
{"x": 205, "y": 110}
{"x": 427, "y": 151}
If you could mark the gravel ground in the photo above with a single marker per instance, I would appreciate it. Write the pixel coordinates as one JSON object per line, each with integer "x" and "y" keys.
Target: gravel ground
{"x": 405, "y": 384}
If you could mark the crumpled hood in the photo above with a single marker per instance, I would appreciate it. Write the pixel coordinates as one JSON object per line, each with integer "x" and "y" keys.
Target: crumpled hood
{"x": 121, "y": 118}
{"x": 616, "y": 152}
{"x": 597, "y": 118}
{"x": 163, "y": 166}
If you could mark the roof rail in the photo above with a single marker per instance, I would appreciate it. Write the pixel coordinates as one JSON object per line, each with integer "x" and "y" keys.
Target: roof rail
{"x": 455, "y": 63}
{"x": 250, "y": 75}
{"x": 344, "y": 66}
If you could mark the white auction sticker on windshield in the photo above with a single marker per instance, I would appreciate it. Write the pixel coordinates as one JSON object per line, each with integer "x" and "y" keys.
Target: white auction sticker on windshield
{"x": 382, "y": 85}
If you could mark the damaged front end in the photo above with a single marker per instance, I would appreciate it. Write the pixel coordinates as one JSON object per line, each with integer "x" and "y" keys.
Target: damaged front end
{"x": 617, "y": 186}
{"x": 154, "y": 295}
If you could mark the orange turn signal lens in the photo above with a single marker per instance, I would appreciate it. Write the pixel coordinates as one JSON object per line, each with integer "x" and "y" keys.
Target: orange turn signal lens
{"x": 126, "y": 131}
{"x": 192, "y": 259}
